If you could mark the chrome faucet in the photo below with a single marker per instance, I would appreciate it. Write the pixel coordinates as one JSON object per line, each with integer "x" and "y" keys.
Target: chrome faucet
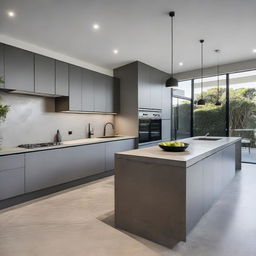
{"x": 105, "y": 128}
{"x": 207, "y": 134}
{"x": 90, "y": 130}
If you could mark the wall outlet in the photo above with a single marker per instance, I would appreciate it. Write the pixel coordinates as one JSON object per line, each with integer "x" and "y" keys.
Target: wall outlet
{"x": 69, "y": 132}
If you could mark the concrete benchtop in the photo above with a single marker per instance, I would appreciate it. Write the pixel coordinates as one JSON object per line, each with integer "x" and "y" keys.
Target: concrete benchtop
{"x": 64, "y": 144}
{"x": 197, "y": 150}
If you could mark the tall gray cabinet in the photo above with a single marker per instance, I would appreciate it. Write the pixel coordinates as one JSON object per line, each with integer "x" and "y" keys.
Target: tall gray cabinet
{"x": 142, "y": 87}
{"x": 1, "y": 64}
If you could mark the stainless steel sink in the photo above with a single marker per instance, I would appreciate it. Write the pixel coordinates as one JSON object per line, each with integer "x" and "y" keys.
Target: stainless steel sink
{"x": 207, "y": 138}
{"x": 107, "y": 137}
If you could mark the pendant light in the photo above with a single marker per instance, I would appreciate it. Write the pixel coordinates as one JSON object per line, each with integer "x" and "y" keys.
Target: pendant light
{"x": 218, "y": 103}
{"x": 171, "y": 82}
{"x": 201, "y": 101}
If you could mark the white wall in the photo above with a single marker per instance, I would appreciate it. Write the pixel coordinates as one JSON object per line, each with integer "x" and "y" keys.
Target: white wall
{"x": 32, "y": 119}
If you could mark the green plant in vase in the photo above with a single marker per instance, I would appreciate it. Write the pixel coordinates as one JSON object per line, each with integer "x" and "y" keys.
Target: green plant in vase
{"x": 4, "y": 109}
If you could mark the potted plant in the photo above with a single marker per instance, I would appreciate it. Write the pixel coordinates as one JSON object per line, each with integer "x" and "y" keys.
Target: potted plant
{"x": 3, "y": 113}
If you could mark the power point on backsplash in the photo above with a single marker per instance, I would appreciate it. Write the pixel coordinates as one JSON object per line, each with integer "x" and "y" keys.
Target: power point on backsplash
{"x": 69, "y": 132}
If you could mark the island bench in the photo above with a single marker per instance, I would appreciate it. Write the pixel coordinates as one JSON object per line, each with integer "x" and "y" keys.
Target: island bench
{"x": 162, "y": 195}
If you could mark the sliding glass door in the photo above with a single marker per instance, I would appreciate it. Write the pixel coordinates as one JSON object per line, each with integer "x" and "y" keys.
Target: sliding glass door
{"x": 242, "y": 112}
{"x": 209, "y": 118}
{"x": 181, "y": 111}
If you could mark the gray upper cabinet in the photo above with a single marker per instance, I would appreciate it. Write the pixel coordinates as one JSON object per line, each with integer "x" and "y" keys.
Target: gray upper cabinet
{"x": 44, "y": 75}
{"x": 156, "y": 89}
{"x": 99, "y": 92}
{"x": 110, "y": 90}
{"x": 61, "y": 69}
{"x": 150, "y": 87}
{"x": 75, "y": 88}
{"x": 143, "y": 86}
{"x": 88, "y": 90}
{"x": 1, "y": 64}
{"x": 19, "y": 69}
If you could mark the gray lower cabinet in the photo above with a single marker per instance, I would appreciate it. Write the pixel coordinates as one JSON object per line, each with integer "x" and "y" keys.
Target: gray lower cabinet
{"x": 75, "y": 88}
{"x": 114, "y": 147}
{"x": 11, "y": 176}
{"x": 19, "y": 69}
{"x": 1, "y": 64}
{"x": 166, "y": 130}
{"x": 61, "y": 69}
{"x": 88, "y": 90}
{"x": 52, "y": 167}
{"x": 205, "y": 182}
{"x": 44, "y": 75}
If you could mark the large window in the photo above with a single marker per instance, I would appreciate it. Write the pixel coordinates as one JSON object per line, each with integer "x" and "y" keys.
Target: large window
{"x": 236, "y": 116}
{"x": 209, "y": 118}
{"x": 242, "y": 112}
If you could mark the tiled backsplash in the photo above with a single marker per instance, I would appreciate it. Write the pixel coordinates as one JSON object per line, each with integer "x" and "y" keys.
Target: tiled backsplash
{"x": 32, "y": 119}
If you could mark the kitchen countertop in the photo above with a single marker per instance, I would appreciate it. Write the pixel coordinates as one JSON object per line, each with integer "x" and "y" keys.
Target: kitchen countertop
{"x": 64, "y": 144}
{"x": 196, "y": 151}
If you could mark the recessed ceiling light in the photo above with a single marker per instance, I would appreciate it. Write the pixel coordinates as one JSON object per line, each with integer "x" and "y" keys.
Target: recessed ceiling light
{"x": 11, "y": 13}
{"x": 115, "y": 51}
{"x": 96, "y": 26}
{"x": 254, "y": 50}
{"x": 180, "y": 63}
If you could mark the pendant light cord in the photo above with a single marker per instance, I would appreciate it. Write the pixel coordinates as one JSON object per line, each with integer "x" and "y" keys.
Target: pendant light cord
{"x": 172, "y": 14}
{"x": 218, "y": 75}
{"x": 202, "y": 64}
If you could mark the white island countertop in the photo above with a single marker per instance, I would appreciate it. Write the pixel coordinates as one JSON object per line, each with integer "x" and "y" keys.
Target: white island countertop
{"x": 64, "y": 144}
{"x": 197, "y": 150}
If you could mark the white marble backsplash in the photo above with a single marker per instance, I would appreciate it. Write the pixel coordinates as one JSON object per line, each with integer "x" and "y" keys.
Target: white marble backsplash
{"x": 32, "y": 119}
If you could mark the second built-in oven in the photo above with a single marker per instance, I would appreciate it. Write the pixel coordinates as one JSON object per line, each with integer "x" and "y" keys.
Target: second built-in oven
{"x": 150, "y": 126}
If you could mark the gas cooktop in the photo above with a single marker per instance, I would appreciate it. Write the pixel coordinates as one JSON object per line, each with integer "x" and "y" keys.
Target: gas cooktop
{"x": 38, "y": 145}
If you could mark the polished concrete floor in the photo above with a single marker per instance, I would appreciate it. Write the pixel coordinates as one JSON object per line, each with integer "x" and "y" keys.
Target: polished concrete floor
{"x": 249, "y": 156}
{"x": 79, "y": 221}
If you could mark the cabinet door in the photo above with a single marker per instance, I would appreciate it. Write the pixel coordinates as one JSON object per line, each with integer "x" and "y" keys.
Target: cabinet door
{"x": 114, "y": 147}
{"x": 19, "y": 69}
{"x": 52, "y": 167}
{"x": 144, "y": 89}
{"x": 99, "y": 92}
{"x": 155, "y": 89}
{"x": 166, "y": 99}
{"x": 1, "y": 64}
{"x": 11, "y": 183}
{"x": 88, "y": 91}
{"x": 61, "y": 78}
{"x": 44, "y": 75}
{"x": 166, "y": 130}
{"x": 75, "y": 88}
{"x": 109, "y": 94}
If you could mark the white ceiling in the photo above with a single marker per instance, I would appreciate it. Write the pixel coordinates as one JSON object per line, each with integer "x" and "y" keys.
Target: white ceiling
{"x": 140, "y": 29}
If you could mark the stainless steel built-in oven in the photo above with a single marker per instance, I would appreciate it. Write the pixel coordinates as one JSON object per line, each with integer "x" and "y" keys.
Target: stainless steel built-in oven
{"x": 150, "y": 126}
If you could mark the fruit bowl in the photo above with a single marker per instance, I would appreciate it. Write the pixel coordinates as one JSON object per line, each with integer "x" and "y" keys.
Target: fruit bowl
{"x": 173, "y": 146}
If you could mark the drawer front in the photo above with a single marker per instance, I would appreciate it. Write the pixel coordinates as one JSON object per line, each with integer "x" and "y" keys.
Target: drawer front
{"x": 11, "y": 183}
{"x": 49, "y": 168}
{"x": 11, "y": 162}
